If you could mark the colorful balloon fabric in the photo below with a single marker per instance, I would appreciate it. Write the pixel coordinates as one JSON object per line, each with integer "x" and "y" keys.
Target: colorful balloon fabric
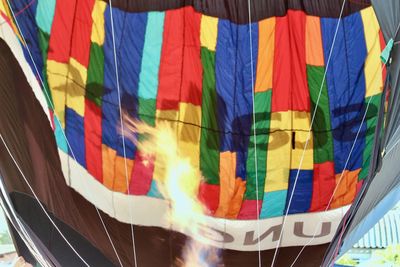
{"x": 199, "y": 72}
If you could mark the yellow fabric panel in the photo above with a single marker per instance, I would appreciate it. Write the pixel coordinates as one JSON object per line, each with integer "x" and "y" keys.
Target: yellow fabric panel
{"x": 346, "y": 189}
{"x": 279, "y": 152}
{"x": 314, "y": 50}
{"x": 6, "y": 11}
{"x": 169, "y": 117}
{"x": 237, "y": 199}
{"x": 121, "y": 176}
{"x": 98, "y": 22}
{"x": 3, "y": 8}
{"x": 77, "y": 75}
{"x": 373, "y": 66}
{"x": 108, "y": 158}
{"x": 57, "y": 79}
{"x": 265, "y": 61}
{"x": 301, "y": 125}
{"x": 208, "y": 32}
{"x": 227, "y": 174}
{"x": 189, "y": 133}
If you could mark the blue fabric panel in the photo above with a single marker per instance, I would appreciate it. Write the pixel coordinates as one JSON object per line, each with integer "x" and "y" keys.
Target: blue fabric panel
{"x": 154, "y": 191}
{"x": 148, "y": 83}
{"x": 109, "y": 107}
{"x": 234, "y": 87}
{"x": 346, "y": 87}
{"x": 241, "y": 157}
{"x": 243, "y": 93}
{"x": 129, "y": 31}
{"x": 45, "y": 14}
{"x": 60, "y": 138}
{"x": 26, "y": 21}
{"x": 76, "y": 135}
{"x": 273, "y": 204}
{"x": 130, "y": 50}
{"x": 301, "y": 200}
{"x": 225, "y": 78}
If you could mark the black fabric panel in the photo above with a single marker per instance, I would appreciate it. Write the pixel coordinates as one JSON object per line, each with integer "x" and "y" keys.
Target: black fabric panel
{"x": 237, "y": 10}
{"x": 22, "y": 249}
{"x": 32, "y": 215}
{"x": 27, "y": 132}
{"x": 39, "y": 226}
{"x": 16, "y": 225}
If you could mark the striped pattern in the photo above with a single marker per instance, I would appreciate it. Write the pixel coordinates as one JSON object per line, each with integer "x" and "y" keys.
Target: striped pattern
{"x": 194, "y": 71}
{"x": 385, "y": 233}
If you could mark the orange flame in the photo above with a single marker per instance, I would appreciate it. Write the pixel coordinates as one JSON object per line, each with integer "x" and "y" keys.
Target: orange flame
{"x": 179, "y": 184}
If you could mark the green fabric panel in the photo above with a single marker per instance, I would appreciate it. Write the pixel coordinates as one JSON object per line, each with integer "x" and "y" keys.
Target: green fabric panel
{"x": 262, "y": 108}
{"x": 44, "y": 45}
{"x": 147, "y": 110}
{"x": 209, "y": 140}
{"x": 95, "y": 74}
{"x": 322, "y": 133}
{"x": 371, "y": 119}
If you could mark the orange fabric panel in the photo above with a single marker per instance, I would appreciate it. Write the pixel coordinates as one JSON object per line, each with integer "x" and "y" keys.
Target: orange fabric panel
{"x": 346, "y": 190}
{"x": 237, "y": 199}
{"x": 108, "y": 157}
{"x": 227, "y": 173}
{"x": 120, "y": 183}
{"x": 314, "y": 52}
{"x": 265, "y": 62}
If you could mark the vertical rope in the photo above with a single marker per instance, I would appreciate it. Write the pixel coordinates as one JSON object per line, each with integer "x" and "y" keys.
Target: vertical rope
{"x": 254, "y": 135}
{"x": 123, "y": 131}
{"x": 308, "y": 136}
{"x": 339, "y": 180}
{"x": 38, "y": 201}
{"x": 58, "y": 121}
{"x": 348, "y": 158}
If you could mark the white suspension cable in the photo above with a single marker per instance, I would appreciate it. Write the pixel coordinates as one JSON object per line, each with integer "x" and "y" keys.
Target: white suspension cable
{"x": 26, "y": 239}
{"x": 40, "y": 203}
{"x": 393, "y": 146}
{"x": 339, "y": 180}
{"x": 59, "y": 122}
{"x": 348, "y": 158}
{"x": 254, "y": 135}
{"x": 20, "y": 229}
{"x": 123, "y": 131}
{"x": 308, "y": 135}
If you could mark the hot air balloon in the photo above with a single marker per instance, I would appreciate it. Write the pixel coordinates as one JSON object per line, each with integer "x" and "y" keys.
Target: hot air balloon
{"x": 273, "y": 111}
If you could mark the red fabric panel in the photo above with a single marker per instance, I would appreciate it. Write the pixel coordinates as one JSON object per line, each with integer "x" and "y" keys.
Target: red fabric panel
{"x": 192, "y": 67}
{"x": 298, "y": 82}
{"x": 359, "y": 185}
{"x": 209, "y": 196}
{"x": 142, "y": 175}
{"x": 323, "y": 185}
{"x": 170, "y": 72}
{"x": 92, "y": 124}
{"x": 281, "y": 100}
{"x": 383, "y": 45}
{"x": 80, "y": 45}
{"x": 61, "y": 31}
{"x": 249, "y": 208}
